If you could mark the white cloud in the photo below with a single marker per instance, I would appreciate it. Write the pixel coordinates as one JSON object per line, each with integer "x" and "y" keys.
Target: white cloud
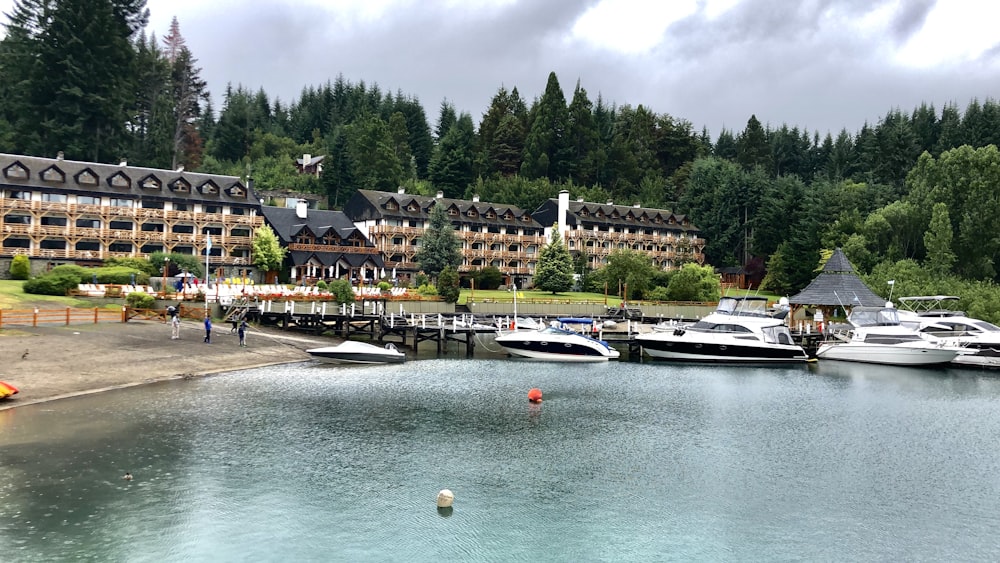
{"x": 955, "y": 31}
{"x": 630, "y": 26}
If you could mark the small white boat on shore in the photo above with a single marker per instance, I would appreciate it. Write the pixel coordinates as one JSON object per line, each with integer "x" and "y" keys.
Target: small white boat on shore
{"x": 352, "y": 352}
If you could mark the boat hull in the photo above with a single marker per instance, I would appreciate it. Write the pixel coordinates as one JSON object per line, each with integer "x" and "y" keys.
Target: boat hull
{"x": 536, "y": 347}
{"x": 357, "y": 353}
{"x": 890, "y": 354}
{"x": 666, "y": 346}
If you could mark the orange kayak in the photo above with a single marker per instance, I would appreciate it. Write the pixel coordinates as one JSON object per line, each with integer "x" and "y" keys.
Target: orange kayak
{"x": 6, "y": 390}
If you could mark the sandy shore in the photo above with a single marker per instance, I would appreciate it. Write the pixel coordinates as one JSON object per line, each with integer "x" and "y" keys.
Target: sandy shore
{"x": 54, "y": 362}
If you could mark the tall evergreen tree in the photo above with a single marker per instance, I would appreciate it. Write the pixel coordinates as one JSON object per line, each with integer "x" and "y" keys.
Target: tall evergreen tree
{"x": 450, "y": 169}
{"x": 439, "y": 246}
{"x": 937, "y": 240}
{"x": 546, "y": 152}
{"x": 751, "y": 147}
{"x": 554, "y": 270}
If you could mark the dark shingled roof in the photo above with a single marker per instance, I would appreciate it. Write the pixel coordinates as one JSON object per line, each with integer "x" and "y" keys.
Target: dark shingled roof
{"x": 837, "y": 285}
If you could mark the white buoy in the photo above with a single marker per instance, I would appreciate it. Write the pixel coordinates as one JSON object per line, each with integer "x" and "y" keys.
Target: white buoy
{"x": 445, "y": 498}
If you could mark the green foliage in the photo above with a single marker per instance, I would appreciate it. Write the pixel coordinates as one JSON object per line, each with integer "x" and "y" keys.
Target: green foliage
{"x": 439, "y": 246}
{"x": 140, "y": 300}
{"x": 177, "y": 264}
{"x": 489, "y": 277}
{"x": 53, "y": 283}
{"x": 81, "y": 274}
{"x": 384, "y": 286}
{"x": 427, "y": 289}
{"x": 448, "y": 285}
{"x": 20, "y": 267}
{"x": 937, "y": 239}
{"x": 321, "y": 284}
{"x": 554, "y": 270}
{"x": 342, "y": 291}
{"x": 137, "y": 264}
{"x": 694, "y": 283}
{"x": 630, "y": 268}
{"x": 119, "y": 275}
{"x": 658, "y": 293}
{"x": 421, "y": 279}
{"x": 268, "y": 254}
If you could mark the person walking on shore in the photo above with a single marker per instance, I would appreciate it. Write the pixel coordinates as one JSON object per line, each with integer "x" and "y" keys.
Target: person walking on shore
{"x": 175, "y": 327}
{"x": 243, "y": 333}
{"x": 208, "y": 330}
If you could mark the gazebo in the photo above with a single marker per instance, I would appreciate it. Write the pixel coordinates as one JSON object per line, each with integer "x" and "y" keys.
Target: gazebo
{"x": 836, "y": 286}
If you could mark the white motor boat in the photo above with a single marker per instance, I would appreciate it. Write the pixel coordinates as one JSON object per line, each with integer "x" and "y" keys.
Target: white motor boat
{"x": 979, "y": 340}
{"x": 353, "y": 352}
{"x": 557, "y": 343}
{"x": 740, "y": 330}
{"x": 877, "y": 337}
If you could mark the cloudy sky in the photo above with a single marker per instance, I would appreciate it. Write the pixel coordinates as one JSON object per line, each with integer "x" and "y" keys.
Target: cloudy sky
{"x": 818, "y": 64}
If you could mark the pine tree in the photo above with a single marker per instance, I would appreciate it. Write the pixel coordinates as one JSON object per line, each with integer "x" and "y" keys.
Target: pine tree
{"x": 439, "y": 246}
{"x": 937, "y": 239}
{"x": 451, "y": 168}
{"x": 546, "y": 152}
{"x": 554, "y": 270}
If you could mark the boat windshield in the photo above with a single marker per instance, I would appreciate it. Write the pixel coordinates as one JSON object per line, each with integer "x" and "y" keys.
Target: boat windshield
{"x": 704, "y": 326}
{"x": 749, "y": 306}
{"x": 869, "y": 316}
{"x": 777, "y": 335}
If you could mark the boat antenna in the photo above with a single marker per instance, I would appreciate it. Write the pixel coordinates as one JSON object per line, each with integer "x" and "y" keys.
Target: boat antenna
{"x": 892, "y": 285}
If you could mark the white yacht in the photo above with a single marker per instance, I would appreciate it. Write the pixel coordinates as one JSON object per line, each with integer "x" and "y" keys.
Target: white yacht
{"x": 557, "y": 342}
{"x": 934, "y": 321}
{"x": 876, "y": 336}
{"x": 740, "y": 330}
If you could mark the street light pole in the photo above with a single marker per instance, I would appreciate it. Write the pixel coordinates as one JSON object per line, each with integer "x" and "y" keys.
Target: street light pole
{"x": 166, "y": 266}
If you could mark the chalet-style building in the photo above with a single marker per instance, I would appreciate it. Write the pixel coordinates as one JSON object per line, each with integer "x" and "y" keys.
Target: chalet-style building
{"x": 599, "y": 229}
{"x": 309, "y": 164}
{"x": 323, "y": 245}
{"x": 499, "y": 235}
{"x": 59, "y": 211}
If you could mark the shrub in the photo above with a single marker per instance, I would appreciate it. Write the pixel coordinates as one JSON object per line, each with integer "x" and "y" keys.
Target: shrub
{"x": 137, "y": 264}
{"x": 448, "y": 285}
{"x": 488, "y": 278}
{"x": 658, "y": 293}
{"x": 321, "y": 284}
{"x": 57, "y": 283}
{"x": 82, "y": 275}
{"x": 421, "y": 280}
{"x": 384, "y": 286}
{"x": 427, "y": 289}
{"x": 140, "y": 300}
{"x": 120, "y": 275}
{"x": 342, "y": 291}
{"x": 20, "y": 267}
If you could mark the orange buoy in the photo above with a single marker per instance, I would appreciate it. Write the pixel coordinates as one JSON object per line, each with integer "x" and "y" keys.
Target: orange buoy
{"x": 535, "y": 395}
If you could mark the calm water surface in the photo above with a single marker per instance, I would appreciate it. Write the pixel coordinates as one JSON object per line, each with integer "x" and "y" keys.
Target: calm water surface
{"x": 622, "y": 462}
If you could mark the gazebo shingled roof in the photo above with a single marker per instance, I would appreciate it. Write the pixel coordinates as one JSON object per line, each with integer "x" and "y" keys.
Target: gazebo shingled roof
{"x": 837, "y": 285}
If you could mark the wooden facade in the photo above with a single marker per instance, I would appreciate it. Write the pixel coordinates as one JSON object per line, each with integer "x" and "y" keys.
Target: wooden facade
{"x": 64, "y": 211}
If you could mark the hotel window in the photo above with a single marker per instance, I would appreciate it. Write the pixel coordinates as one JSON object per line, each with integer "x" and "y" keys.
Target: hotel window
{"x": 152, "y": 205}
{"x": 87, "y": 200}
{"x": 119, "y": 202}
{"x": 120, "y": 226}
{"x": 213, "y": 209}
{"x": 237, "y": 211}
{"x": 54, "y": 221}
{"x": 54, "y": 198}
{"x": 181, "y": 207}
{"x": 17, "y": 194}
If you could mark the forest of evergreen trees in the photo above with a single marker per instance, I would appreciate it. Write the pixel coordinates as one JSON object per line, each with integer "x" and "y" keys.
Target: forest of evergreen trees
{"x": 918, "y": 187}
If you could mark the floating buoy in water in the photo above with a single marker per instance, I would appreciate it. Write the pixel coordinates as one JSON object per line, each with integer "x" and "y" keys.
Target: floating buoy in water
{"x": 535, "y": 395}
{"x": 445, "y": 498}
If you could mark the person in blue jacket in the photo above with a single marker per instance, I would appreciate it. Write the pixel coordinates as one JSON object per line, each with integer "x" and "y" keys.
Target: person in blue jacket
{"x": 208, "y": 330}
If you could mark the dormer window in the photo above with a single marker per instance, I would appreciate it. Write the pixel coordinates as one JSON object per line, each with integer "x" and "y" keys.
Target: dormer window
{"x": 208, "y": 188}
{"x": 452, "y": 211}
{"x": 120, "y": 180}
{"x": 236, "y": 190}
{"x": 508, "y": 216}
{"x": 413, "y": 207}
{"x": 391, "y": 205}
{"x": 180, "y": 186}
{"x": 87, "y": 178}
{"x": 526, "y": 218}
{"x": 16, "y": 171}
{"x": 584, "y": 213}
{"x": 472, "y": 213}
{"x": 150, "y": 183}
{"x": 54, "y": 175}
{"x": 599, "y": 214}
{"x": 491, "y": 215}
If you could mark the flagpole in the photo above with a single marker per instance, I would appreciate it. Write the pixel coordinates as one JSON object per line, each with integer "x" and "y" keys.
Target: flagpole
{"x": 208, "y": 276}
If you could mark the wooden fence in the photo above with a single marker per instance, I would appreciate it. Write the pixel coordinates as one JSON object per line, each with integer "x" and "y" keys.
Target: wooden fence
{"x": 69, "y": 315}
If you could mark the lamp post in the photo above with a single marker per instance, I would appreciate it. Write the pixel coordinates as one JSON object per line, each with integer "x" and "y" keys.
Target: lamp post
{"x": 166, "y": 266}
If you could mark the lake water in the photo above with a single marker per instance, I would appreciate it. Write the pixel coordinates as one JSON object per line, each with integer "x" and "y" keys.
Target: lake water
{"x": 622, "y": 462}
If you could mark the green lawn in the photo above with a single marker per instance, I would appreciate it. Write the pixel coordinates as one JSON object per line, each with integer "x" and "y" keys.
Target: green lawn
{"x": 13, "y": 297}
